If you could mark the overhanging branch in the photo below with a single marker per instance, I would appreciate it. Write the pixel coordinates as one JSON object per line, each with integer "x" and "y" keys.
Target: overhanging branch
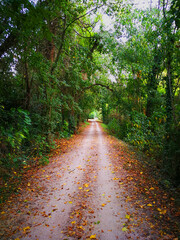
{"x": 98, "y": 84}
{"x": 66, "y": 26}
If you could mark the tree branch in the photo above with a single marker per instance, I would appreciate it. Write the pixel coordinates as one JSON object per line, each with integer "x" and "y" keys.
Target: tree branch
{"x": 81, "y": 35}
{"x": 60, "y": 48}
{"x": 87, "y": 13}
{"x": 63, "y": 36}
{"x": 98, "y": 84}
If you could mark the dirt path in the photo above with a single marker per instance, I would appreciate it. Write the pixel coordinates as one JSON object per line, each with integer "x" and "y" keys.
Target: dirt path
{"x": 90, "y": 192}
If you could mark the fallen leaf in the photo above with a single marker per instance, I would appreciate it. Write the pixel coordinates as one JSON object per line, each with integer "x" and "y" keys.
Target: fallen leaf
{"x": 91, "y": 211}
{"x": 127, "y": 216}
{"x": 26, "y": 228}
{"x": 98, "y": 222}
{"x": 93, "y": 236}
{"x": 124, "y": 229}
{"x": 54, "y": 209}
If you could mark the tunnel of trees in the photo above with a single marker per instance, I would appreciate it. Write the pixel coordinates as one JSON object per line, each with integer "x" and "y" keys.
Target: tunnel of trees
{"x": 59, "y": 62}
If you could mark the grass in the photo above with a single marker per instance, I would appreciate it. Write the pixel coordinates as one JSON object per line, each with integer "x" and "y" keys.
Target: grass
{"x": 104, "y": 126}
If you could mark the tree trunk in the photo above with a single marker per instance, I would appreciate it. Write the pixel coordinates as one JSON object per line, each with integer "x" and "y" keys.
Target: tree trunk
{"x": 28, "y": 87}
{"x": 153, "y": 84}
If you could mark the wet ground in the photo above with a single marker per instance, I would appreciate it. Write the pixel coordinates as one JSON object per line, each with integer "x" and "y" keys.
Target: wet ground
{"x": 87, "y": 192}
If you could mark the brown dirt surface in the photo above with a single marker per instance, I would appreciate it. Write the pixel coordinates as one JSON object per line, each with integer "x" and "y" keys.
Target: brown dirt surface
{"x": 93, "y": 188}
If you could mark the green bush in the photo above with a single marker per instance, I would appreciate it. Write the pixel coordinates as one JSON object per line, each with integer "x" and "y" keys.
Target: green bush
{"x": 146, "y": 133}
{"x": 14, "y": 130}
{"x": 114, "y": 127}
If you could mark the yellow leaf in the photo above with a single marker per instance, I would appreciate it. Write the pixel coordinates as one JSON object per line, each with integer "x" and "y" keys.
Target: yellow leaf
{"x": 93, "y": 236}
{"x": 80, "y": 227}
{"x": 29, "y": 184}
{"x": 124, "y": 229}
{"x": 2, "y": 212}
{"x": 115, "y": 178}
{"x": 26, "y": 228}
{"x": 163, "y": 212}
{"x": 80, "y": 187}
{"x": 17, "y": 238}
{"x": 127, "y": 216}
{"x": 70, "y": 202}
{"x": 73, "y": 222}
{"x": 86, "y": 185}
{"x": 103, "y": 204}
{"x": 149, "y": 205}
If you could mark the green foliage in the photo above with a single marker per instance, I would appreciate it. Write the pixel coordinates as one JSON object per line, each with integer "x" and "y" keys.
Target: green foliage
{"x": 44, "y": 160}
{"x": 40, "y": 145}
{"x": 15, "y": 124}
{"x": 114, "y": 127}
{"x": 146, "y": 133}
{"x": 91, "y": 115}
{"x": 14, "y": 131}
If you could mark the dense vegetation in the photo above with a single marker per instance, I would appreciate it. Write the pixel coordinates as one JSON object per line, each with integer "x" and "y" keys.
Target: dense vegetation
{"x": 56, "y": 66}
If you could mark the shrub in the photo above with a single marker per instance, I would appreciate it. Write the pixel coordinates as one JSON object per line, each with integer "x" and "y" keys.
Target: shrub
{"x": 145, "y": 133}
{"x": 114, "y": 127}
